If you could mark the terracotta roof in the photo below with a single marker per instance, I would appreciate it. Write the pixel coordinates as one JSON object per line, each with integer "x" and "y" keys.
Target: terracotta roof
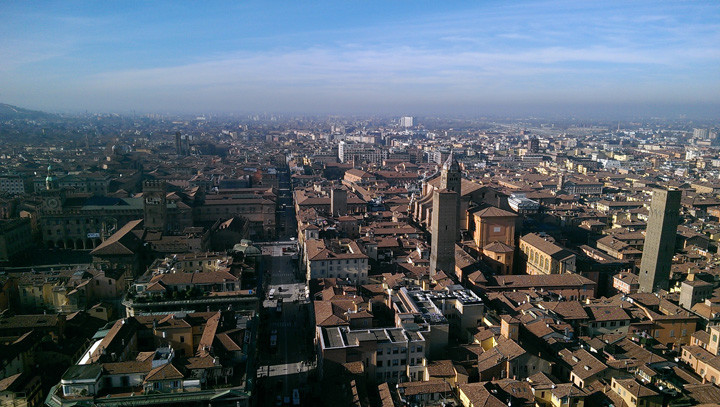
{"x": 635, "y": 388}
{"x": 441, "y": 368}
{"x": 546, "y": 280}
{"x": 607, "y": 313}
{"x": 506, "y": 349}
{"x": 132, "y": 366}
{"x": 164, "y": 372}
{"x": 429, "y": 387}
{"x": 546, "y": 246}
{"x": 8, "y": 382}
{"x": 493, "y": 212}
{"x": 205, "y": 362}
{"x": 498, "y": 247}
{"x": 121, "y": 242}
{"x": 583, "y": 364}
{"x": 228, "y": 343}
{"x": 479, "y": 396}
{"x": 208, "y": 335}
{"x": 319, "y": 250}
{"x": 385, "y": 396}
{"x": 567, "y": 309}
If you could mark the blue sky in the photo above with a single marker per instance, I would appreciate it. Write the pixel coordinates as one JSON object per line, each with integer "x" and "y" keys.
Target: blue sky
{"x": 392, "y": 57}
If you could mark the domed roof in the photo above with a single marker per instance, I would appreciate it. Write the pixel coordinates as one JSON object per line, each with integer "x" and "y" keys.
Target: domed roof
{"x": 246, "y": 247}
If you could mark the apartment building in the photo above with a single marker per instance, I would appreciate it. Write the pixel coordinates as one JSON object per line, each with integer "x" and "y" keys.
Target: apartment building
{"x": 543, "y": 256}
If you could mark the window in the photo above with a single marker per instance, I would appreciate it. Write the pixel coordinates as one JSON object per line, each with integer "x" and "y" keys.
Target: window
{"x": 379, "y": 363}
{"x": 396, "y": 362}
{"x": 497, "y": 229}
{"x": 182, "y": 339}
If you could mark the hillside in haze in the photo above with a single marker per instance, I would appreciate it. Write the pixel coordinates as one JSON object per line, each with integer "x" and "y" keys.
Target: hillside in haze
{"x": 10, "y": 112}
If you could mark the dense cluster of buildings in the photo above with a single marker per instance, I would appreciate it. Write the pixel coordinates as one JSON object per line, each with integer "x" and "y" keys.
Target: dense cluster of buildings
{"x": 508, "y": 263}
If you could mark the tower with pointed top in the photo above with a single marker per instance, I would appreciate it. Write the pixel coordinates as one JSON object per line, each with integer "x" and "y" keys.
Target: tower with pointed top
{"x": 450, "y": 179}
{"x": 450, "y": 175}
{"x": 445, "y": 224}
{"x": 50, "y": 181}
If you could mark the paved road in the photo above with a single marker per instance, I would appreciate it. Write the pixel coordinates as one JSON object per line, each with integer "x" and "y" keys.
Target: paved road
{"x": 289, "y": 365}
{"x": 286, "y": 224}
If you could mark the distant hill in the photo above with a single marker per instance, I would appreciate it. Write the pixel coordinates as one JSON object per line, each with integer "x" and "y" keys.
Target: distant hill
{"x": 10, "y": 112}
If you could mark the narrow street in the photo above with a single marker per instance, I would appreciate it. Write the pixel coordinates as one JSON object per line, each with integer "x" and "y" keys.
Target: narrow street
{"x": 286, "y": 357}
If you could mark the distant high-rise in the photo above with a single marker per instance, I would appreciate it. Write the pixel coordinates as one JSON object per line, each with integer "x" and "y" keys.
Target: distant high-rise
{"x": 660, "y": 240}
{"x": 701, "y": 133}
{"x": 406, "y": 121}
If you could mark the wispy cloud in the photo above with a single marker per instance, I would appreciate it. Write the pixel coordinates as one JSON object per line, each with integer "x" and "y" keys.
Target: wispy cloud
{"x": 485, "y": 52}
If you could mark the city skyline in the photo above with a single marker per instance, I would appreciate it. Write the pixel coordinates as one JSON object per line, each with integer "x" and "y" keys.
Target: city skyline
{"x": 645, "y": 58}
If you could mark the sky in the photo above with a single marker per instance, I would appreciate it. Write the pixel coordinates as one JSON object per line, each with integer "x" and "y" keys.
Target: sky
{"x": 363, "y": 57}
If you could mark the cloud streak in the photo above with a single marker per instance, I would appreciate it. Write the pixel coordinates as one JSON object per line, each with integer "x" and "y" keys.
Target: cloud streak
{"x": 485, "y": 54}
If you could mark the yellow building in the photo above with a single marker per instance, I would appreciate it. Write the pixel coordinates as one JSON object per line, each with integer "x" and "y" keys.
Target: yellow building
{"x": 543, "y": 256}
{"x": 634, "y": 394}
{"x": 494, "y": 236}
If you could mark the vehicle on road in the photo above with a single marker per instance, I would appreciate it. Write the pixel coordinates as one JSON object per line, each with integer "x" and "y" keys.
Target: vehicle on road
{"x": 273, "y": 339}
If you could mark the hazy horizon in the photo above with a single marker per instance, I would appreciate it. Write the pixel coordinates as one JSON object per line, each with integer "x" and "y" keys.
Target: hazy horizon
{"x": 554, "y": 58}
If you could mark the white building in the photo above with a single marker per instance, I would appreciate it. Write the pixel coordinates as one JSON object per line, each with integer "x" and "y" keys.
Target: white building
{"x": 406, "y": 121}
{"x": 521, "y": 204}
{"x": 336, "y": 259}
{"x": 388, "y": 354}
{"x": 347, "y": 152}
